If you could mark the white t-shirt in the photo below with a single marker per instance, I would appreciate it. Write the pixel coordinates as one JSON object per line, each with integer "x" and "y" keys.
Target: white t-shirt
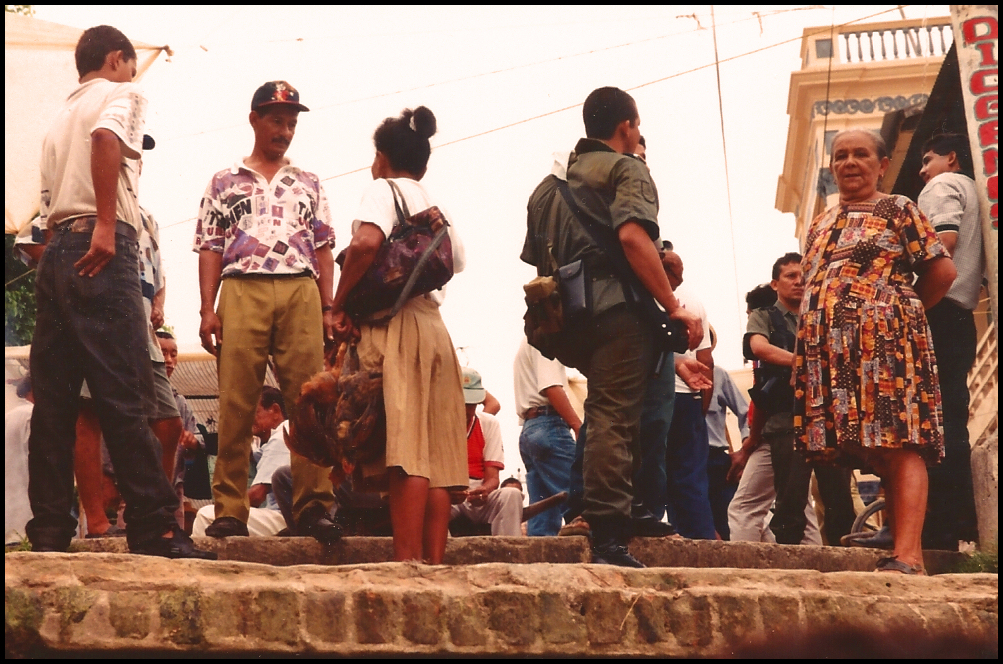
{"x": 67, "y": 185}
{"x": 16, "y": 508}
{"x": 691, "y": 303}
{"x": 951, "y": 202}
{"x": 494, "y": 453}
{"x": 377, "y": 207}
{"x": 273, "y": 455}
{"x": 533, "y": 374}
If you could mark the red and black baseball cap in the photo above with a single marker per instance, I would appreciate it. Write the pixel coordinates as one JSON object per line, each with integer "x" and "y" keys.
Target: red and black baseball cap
{"x": 276, "y": 92}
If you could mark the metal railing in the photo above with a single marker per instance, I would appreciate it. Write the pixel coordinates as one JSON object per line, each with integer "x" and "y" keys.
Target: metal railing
{"x": 983, "y": 410}
{"x": 879, "y": 43}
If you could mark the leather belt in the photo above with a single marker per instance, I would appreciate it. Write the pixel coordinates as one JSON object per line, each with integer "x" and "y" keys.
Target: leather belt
{"x": 87, "y": 225}
{"x": 538, "y": 411}
{"x": 267, "y": 275}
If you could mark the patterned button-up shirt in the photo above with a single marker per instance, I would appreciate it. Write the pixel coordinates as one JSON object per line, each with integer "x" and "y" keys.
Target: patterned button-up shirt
{"x": 264, "y": 227}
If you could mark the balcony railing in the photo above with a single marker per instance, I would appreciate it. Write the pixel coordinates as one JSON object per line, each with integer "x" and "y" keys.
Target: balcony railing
{"x": 876, "y": 44}
{"x": 982, "y": 386}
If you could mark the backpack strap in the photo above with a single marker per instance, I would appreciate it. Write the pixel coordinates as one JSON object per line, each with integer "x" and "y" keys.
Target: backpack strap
{"x": 780, "y": 331}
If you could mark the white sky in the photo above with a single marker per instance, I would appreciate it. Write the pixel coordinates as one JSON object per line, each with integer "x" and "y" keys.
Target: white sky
{"x": 479, "y": 69}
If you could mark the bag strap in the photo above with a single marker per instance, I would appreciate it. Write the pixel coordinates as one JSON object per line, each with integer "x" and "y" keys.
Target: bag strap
{"x": 614, "y": 252}
{"x": 780, "y": 329}
{"x": 633, "y": 290}
{"x": 422, "y": 261}
{"x": 399, "y": 202}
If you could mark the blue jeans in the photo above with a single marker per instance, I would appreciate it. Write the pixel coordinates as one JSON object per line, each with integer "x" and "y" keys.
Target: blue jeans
{"x": 92, "y": 328}
{"x": 576, "y": 485}
{"x": 688, "y": 501}
{"x": 548, "y": 450}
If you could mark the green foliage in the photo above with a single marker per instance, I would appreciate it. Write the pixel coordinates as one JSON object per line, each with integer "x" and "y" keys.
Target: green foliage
{"x": 981, "y": 562}
{"x": 23, "y": 545}
{"x": 27, "y": 10}
{"x": 19, "y": 298}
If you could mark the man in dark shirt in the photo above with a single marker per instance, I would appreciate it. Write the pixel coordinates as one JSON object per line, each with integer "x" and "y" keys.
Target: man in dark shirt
{"x": 772, "y": 344}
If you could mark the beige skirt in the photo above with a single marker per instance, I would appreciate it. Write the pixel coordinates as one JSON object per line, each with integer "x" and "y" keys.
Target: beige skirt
{"x": 426, "y": 432}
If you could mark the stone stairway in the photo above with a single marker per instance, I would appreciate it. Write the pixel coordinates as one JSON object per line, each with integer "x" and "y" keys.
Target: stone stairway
{"x": 495, "y": 596}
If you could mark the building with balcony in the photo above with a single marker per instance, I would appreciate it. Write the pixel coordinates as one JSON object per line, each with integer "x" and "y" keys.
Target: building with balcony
{"x": 853, "y": 77}
{"x": 903, "y": 80}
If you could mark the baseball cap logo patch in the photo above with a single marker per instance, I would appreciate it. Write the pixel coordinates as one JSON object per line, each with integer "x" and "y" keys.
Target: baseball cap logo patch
{"x": 277, "y": 92}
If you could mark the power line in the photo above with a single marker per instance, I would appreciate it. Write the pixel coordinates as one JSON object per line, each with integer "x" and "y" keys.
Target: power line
{"x": 724, "y": 149}
{"x": 460, "y": 79}
{"x": 579, "y": 104}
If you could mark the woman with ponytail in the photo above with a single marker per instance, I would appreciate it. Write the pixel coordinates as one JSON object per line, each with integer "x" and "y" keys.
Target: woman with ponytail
{"x": 426, "y": 454}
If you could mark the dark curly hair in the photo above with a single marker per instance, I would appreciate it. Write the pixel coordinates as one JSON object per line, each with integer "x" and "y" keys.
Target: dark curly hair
{"x": 761, "y": 296}
{"x": 945, "y": 144}
{"x": 786, "y": 259}
{"x": 404, "y": 140}
{"x": 96, "y": 43}
{"x": 271, "y": 396}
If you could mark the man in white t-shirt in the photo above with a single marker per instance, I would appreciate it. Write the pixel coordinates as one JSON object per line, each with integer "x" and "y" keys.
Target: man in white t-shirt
{"x": 485, "y": 502}
{"x": 687, "y": 500}
{"x": 951, "y": 201}
{"x": 90, "y": 322}
{"x": 548, "y": 422}
{"x": 17, "y": 428}
{"x": 270, "y": 427}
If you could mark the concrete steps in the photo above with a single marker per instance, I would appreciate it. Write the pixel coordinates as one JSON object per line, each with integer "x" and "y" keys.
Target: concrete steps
{"x": 653, "y": 552}
{"x": 115, "y": 604}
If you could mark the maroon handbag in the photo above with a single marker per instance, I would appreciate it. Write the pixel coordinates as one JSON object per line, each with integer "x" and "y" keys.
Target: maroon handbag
{"x": 415, "y": 259}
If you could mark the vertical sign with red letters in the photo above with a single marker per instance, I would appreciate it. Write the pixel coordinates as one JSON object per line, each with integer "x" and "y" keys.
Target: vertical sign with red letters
{"x": 976, "y": 35}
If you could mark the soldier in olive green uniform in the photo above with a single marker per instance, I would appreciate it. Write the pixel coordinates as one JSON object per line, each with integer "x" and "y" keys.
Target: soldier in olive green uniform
{"x": 615, "y": 348}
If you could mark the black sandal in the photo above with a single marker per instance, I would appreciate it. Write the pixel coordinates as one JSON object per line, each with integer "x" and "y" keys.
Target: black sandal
{"x": 893, "y": 564}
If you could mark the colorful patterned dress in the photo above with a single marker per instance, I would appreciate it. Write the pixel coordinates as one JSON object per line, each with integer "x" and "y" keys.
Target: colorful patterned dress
{"x": 866, "y": 376}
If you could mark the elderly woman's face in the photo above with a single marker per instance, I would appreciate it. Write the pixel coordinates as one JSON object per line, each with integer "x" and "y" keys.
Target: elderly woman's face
{"x": 856, "y": 166}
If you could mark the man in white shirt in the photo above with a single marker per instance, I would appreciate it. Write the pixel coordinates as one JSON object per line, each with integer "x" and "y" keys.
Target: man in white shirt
{"x": 270, "y": 426}
{"x": 548, "y": 422}
{"x": 687, "y": 501}
{"x": 485, "y": 501}
{"x": 90, "y": 322}
{"x": 17, "y": 428}
{"x": 951, "y": 201}
{"x": 720, "y": 489}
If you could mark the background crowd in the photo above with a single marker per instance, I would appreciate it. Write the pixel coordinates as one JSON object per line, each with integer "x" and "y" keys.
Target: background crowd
{"x": 846, "y": 371}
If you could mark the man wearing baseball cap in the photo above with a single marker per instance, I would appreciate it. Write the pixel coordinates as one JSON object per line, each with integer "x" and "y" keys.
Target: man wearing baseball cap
{"x": 264, "y": 242}
{"x": 485, "y": 502}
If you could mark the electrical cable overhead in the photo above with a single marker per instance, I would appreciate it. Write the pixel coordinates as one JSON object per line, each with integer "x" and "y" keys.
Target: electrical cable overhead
{"x": 828, "y": 83}
{"x": 635, "y": 87}
{"x": 724, "y": 149}
{"x": 755, "y": 16}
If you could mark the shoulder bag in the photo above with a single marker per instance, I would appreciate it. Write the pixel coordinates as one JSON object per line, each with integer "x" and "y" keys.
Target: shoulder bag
{"x": 416, "y": 258}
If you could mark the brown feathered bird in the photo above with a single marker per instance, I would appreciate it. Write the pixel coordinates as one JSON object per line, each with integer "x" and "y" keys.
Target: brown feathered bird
{"x": 340, "y": 420}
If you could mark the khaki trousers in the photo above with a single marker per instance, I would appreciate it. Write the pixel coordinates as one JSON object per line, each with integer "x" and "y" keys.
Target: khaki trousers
{"x": 264, "y": 316}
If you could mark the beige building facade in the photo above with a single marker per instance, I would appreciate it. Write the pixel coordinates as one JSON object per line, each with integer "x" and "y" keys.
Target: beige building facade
{"x": 852, "y": 77}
